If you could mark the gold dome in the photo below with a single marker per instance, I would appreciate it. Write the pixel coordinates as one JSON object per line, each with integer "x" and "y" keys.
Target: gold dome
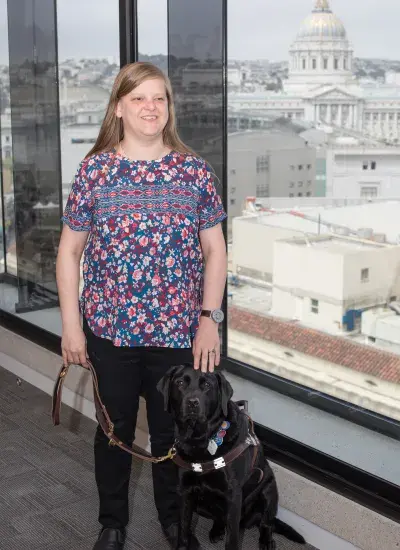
{"x": 322, "y": 24}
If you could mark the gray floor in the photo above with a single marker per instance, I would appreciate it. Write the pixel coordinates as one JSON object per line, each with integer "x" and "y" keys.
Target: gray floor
{"x": 48, "y": 496}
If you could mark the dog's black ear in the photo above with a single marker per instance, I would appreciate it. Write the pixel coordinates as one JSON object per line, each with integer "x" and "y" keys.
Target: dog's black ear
{"x": 164, "y": 385}
{"x": 225, "y": 392}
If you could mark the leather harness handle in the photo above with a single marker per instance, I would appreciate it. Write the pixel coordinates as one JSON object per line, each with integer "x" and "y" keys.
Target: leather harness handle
{"x": 101, "y": 415}
{"x": 108, "y": 427}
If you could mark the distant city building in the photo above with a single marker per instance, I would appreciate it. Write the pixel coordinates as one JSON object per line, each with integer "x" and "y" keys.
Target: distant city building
{"x": 381, "y": 326}
{"x": 328, "y": 281}
{"x": 372, "y": 221}
{"x": 269, "y": 163}
{"x": 362, "y": 171}
{"x": 321, "y": 87}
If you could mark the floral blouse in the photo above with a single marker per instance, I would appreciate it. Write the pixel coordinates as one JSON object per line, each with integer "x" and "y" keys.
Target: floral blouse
{"x": 143, "y": 264}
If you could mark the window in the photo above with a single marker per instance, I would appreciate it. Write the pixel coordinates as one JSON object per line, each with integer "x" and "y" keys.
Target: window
{"x": 308, "y": 305}
{"x": 365, "y": 275}
{"x": 345, "y": 64}
{"x": 262, "y": 163}
{"x": 299, "y": 184}
{"x": 369, "y": 191}
{"x": 373, "y": 165}
{"x": 62, "y": 135}
{"x": 365, "y": 165}
{"x": 291, "y": 184}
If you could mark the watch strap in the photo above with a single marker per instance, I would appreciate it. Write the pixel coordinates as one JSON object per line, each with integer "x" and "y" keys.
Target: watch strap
{"x": 206, "y": 312}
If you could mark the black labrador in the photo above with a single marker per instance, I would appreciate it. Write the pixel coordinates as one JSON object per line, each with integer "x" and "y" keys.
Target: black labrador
{"x": 236, "y": 492}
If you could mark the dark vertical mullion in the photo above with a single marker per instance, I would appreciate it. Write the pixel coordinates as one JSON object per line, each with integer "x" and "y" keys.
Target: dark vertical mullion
{"x": 58, "y": 125}
{"x": 3, "y": 204}
{"x": 168, "y": 42}
{"x": 224, "y": 349}
{"x": 128, "y": 32}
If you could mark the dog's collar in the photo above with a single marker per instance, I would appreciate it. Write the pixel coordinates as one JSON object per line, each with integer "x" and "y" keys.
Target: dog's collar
{"x": 217, "y": 439}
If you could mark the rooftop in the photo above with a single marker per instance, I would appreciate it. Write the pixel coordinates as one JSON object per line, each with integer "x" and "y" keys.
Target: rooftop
{"x": 381, "y": 216}
{"x": 335, "y": 245}
{"x": 335, "y": 349}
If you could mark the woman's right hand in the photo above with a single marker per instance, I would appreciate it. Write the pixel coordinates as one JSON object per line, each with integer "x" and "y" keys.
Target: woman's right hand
{"x": 73, "y": 347}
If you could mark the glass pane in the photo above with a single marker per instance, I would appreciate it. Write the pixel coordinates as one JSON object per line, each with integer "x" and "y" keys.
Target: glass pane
{"x": 196, "y": 72}
{"x": 34, "y": 190}
{"x": 52, "y": 130}
{"x": 152, "y": 22}
{"x": 88, "y": 66}
{"x": 314, "y": 196}
{"x": 8, "y": 263}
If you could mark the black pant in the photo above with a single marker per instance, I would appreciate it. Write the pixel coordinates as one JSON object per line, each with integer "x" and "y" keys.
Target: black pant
{"x": 124, "y": 374}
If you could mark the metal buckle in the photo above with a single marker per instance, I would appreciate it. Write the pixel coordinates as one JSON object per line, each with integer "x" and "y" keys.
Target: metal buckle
{"x": 197, "y": 467}
{"x": 219, "y": 463}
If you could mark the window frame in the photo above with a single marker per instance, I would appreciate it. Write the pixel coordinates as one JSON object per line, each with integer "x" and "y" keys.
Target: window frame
{"x": 363, "y": 487}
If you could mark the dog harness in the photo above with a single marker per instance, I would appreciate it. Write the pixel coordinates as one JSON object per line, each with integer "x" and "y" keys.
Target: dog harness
{"x": 223, "y": 461}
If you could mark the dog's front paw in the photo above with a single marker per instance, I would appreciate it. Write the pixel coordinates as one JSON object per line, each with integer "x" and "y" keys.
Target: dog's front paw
{"x": 217, "y": 532}
{"x": 271, "y": 545}
{"x": 194, "y": 543}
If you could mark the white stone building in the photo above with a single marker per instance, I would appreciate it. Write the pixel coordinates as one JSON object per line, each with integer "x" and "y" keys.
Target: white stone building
{"x": 327, "y": 282}
{"x": 381, "y": 327}
{"x": 321, "y": 87}
{"x": 377, "y": 221}
{"x": 366, "y": 171}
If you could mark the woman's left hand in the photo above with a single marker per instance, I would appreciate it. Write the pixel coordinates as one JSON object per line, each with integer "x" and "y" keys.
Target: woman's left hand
{"x": 206, "y": 346}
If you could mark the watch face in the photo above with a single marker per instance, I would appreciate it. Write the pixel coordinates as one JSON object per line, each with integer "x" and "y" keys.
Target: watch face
{"x": 217, "y": 315}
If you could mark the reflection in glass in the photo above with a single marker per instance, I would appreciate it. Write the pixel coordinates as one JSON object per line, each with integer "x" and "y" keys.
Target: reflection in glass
{"x": 87, "y": 67}
{"x": 317, "y": 301}
{"x": 35, "y": 142}
{"x": 152, "y": 23}
{"x": 196, "y": 72}
{"x": 8, "y": 261}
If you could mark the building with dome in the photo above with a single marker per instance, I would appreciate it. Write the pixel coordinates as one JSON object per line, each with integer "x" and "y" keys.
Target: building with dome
{"x": 321, "y": 87}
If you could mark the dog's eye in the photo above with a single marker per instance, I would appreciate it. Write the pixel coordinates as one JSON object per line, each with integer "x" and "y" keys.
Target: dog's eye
{"x": 206, "y": 385}
{"x": 179, "y": 383}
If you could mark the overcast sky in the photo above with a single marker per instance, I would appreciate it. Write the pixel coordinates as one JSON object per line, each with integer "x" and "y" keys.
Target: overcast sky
{"x": 264, "y": 29}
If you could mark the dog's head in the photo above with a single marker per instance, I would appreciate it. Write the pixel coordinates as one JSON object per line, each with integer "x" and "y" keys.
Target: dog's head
{"x": 192, "y": 395}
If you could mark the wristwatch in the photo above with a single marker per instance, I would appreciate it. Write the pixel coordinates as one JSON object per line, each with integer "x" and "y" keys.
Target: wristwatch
{"x": 216, "y": 315}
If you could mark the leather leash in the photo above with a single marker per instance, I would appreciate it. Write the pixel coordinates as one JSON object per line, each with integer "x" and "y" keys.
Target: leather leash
{"x": 108, "y": 429}
{"x": 101, "y": 415}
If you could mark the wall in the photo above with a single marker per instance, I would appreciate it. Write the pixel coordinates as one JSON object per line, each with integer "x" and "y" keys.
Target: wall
{"x": 384, "y": 276}
{"x": 316, "y": 273}
{"x": 345, "y": 175}
{"x": 287, "y": 304}
{"x": 246, "y": 231}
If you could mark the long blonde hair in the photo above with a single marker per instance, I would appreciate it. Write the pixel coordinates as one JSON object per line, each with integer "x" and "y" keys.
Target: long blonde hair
{"x": 112, "y": 128}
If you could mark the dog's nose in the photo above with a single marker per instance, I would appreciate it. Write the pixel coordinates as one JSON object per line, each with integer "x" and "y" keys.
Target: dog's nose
{"x": 193, "y": 403}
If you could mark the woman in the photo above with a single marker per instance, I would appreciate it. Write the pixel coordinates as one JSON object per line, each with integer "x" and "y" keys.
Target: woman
{"x": 145, "y": 209}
